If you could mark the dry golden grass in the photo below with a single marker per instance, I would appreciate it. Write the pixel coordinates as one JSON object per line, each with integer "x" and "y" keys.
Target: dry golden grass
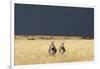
{"x": 36, "y": 51}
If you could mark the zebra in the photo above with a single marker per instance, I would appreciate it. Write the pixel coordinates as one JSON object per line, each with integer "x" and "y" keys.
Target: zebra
{"x": 62, "y": 48}
{"x": 52, "y": 49}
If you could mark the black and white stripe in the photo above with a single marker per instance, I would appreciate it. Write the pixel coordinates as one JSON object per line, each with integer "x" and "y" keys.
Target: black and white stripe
{"x": 52, "y": 49}
{"x": 62, "y": 49}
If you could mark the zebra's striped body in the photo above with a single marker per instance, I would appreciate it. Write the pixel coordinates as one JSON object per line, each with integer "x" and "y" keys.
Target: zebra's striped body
{"x": 62, "y": 49}
{"x": 52, "y": 49}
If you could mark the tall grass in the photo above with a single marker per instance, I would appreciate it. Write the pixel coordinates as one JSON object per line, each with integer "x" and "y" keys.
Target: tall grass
{"x": 36, "y": 51}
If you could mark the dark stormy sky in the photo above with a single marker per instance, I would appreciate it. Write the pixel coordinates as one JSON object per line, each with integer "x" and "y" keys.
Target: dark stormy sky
{"x": 53, "y": 20}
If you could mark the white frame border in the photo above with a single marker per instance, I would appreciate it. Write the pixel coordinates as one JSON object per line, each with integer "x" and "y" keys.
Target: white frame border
{"x": 12, "y": 33}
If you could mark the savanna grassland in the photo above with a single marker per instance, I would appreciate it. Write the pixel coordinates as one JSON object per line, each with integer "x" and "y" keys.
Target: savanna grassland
{"x": 35, "y": 51}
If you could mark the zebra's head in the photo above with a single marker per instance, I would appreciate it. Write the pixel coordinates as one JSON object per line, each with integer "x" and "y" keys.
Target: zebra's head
{"x": 62, "y": 44}
{"x": 52, "y": 44}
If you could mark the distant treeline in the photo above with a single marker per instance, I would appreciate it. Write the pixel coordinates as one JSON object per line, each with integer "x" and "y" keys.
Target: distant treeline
{"x": 36, "y": 37}
{"x": 89, "y": 37}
